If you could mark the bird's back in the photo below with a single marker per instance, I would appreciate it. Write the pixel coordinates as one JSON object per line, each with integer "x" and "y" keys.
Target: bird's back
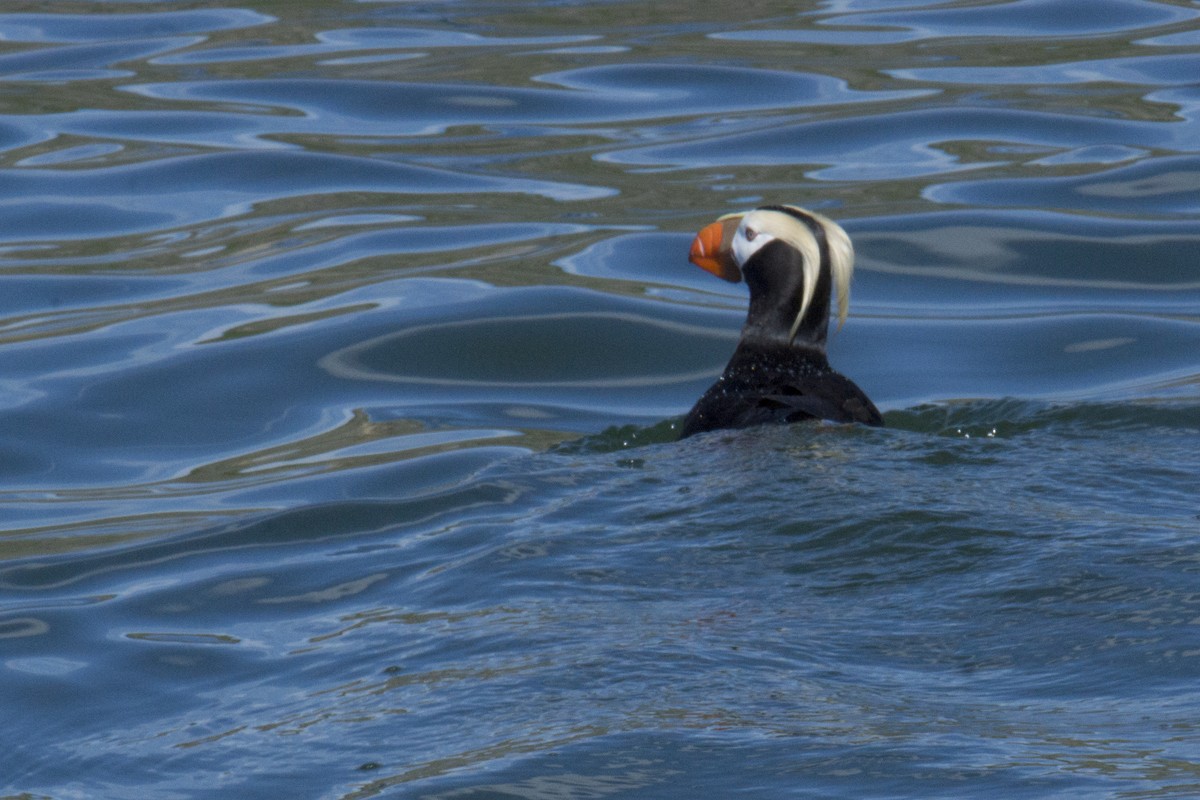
{"x": 778, "y": 383}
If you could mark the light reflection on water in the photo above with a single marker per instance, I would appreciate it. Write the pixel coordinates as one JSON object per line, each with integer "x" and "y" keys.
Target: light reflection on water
{"x": 340, "y": 349}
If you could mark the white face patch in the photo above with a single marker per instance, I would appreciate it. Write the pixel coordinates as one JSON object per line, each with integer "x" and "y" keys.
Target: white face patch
{"x": 747, "y": 241}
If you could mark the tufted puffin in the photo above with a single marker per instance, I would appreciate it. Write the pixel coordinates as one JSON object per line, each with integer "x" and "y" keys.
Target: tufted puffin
{"x": 791, "y": 260}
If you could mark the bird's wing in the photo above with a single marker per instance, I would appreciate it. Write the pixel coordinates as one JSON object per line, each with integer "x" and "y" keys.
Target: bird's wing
{"x": 830, "y": 396}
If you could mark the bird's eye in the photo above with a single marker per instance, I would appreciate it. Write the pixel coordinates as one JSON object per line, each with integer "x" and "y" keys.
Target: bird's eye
{"x": 751, "y": 234}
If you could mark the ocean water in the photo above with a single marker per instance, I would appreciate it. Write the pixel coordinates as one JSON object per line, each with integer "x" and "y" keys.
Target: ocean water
{"x": 342, "y": 349}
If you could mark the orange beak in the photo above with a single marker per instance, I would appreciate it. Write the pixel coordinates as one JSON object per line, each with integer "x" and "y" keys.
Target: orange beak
{"x": 711, "y": 249}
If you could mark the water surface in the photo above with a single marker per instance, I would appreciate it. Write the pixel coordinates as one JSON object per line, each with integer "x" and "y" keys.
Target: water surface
{"x": 342, "y": 346}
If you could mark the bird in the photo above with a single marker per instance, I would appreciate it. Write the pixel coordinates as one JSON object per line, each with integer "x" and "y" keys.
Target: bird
{"x": 792, "y": 260}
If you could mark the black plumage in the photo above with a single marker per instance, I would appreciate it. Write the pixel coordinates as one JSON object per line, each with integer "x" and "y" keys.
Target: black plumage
{"x": 779, "y": 372}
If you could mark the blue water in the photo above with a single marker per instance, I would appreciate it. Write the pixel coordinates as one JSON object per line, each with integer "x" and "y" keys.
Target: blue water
{"x": 342, "y": 346}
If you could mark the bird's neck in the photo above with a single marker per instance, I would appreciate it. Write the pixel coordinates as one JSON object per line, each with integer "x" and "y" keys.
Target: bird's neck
{"x": 775, "y": 277}
{"x": 769, "y": 319}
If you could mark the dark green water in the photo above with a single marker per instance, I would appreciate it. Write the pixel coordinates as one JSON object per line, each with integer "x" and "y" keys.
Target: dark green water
{"x": 342, "y": 346}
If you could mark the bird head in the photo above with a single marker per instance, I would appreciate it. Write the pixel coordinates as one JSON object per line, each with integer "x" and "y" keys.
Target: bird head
{"x": 787, "y": 255}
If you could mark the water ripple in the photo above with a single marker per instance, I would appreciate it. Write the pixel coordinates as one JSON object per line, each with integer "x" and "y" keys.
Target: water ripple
{"x": 1023, "y": 19}
{"x": 59, "y": 27}
{"x": 1165, "y": 186}
{"x": 1168, "y": 70}
{"x": 598, "y": 94}
{"x": 342, "y": 352}
{"x": 85, "y": 62}
{"x": 174, "y": 192}
{"x": 366, "y": 39}
{"x": 910, "y": 144}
